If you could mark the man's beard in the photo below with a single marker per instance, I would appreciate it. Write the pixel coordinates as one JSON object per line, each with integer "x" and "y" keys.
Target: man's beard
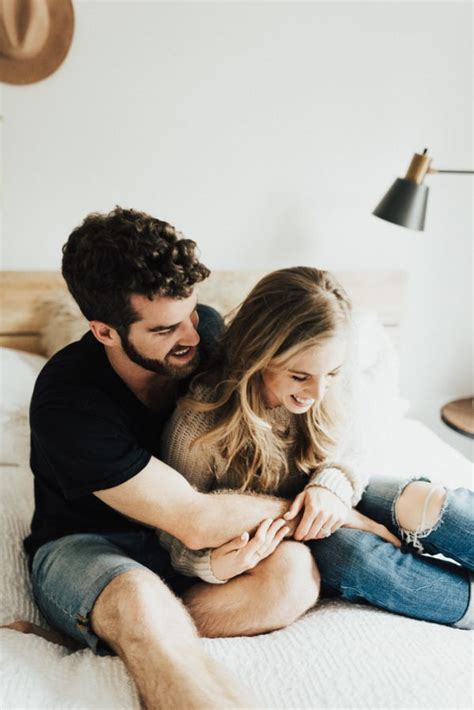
{"x": 160, "y": 367}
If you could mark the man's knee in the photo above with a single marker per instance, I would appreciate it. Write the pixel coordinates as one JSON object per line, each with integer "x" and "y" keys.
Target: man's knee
{"x": 131, "y": 605}
{"x": 292, "y": 578}
{"x": 419, "y": 505}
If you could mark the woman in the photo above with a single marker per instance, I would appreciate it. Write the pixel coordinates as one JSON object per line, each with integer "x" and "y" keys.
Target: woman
{"x": 272, "y": 416}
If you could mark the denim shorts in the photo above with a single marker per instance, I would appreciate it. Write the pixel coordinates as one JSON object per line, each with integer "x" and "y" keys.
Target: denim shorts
{"x": 68, "y": 575}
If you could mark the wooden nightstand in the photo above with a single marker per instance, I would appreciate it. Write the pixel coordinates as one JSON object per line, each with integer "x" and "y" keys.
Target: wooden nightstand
{"x": 459, "y": 415}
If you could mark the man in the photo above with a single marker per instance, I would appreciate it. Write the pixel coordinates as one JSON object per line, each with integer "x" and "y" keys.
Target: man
{"x": 99, "y": 575}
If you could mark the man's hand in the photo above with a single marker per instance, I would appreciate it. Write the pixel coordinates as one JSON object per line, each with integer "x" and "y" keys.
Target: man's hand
{"x": 323, "y": 513}
{"x": 243, "y": 553}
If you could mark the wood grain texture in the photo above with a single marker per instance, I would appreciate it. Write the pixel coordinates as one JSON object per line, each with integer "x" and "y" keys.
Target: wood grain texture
{"x": 28, "y": 343}
{"x": 21, "y": 293}
{"x": 459, "y": 415}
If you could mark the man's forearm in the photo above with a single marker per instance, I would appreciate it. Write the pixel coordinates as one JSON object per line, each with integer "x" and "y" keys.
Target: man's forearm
{"x": 219, "y": 517}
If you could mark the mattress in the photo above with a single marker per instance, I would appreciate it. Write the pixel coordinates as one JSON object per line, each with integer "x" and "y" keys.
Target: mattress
{"x": 339, "y": 655}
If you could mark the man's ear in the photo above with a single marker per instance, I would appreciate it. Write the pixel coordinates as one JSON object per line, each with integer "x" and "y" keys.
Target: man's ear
{"x": 104, "y": 333}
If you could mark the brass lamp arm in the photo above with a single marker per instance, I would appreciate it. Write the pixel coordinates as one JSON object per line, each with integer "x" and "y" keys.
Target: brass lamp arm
{"x": 421, "y": 165}
{"x": 433, "y": 171}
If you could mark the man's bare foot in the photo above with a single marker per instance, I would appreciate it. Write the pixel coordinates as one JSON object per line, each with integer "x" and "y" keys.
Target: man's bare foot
{"x": 27, "y": 627}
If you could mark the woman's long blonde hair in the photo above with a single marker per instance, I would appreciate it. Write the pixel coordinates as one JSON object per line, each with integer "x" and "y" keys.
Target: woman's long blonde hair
{"x": 287, "y": 312}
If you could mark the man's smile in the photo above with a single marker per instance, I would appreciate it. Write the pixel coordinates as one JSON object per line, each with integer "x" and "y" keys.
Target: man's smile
{"x": 183, "y": 353}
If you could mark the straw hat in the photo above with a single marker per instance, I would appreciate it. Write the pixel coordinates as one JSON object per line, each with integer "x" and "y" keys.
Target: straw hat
{"x": 35, "y": 36}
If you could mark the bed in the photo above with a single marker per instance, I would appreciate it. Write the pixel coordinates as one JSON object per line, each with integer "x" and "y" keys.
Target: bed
{"x": 338, "y": 656}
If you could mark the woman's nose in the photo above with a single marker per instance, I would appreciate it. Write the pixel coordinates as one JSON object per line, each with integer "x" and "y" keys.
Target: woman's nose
{"x": 318, "y": 388}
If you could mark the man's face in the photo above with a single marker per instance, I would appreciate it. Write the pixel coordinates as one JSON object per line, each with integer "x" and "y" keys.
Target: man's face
{"x": 164, "y": 339}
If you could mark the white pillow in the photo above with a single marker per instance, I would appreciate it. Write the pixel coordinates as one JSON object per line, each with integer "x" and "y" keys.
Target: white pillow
{"x": 371, "y": 387}
{"x": 18, "y": 373}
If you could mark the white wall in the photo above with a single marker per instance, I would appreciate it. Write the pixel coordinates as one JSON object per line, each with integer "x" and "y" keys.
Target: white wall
{"x": 267, "y": 132}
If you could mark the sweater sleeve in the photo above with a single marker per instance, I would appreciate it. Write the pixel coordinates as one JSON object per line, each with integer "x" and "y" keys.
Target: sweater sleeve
{"x": 192, "y": 563}
{"x": 346, "y": 476}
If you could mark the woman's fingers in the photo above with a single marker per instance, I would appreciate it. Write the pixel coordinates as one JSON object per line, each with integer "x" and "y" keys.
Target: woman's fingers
{"x": 339, "y": 522}
{"x": 312, "y": 533}
{"x": 275, "y": 534}
{"x": 235, "y": 544}
{"x": 280, "y": 535}
{"x": 358, "y": 521}
{"x": 322, "y": 527}
{"x": 267, "y": 538}
{"x": 296, "y": 506}
{"x": 309, "y": 517}
{"x": 259, "y": 538}
{"x": 385, "y": 533}
{"x": 274, "y": 528}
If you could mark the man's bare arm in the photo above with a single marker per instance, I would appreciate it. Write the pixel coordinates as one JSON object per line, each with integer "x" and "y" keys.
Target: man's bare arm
{"x": 161, "y": 497}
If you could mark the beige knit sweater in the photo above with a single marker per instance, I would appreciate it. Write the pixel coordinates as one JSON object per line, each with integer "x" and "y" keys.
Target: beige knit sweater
{"x": 344, "y": 475}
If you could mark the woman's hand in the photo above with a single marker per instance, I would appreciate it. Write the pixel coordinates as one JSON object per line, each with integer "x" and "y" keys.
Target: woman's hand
{"x": 323, "y": 513}
{"x": 243, "y": 553}
{"x": 361, "y": 522}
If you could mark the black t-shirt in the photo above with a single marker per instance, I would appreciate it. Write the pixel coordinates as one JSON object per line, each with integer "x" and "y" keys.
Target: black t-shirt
{"x": 89, "y": 432}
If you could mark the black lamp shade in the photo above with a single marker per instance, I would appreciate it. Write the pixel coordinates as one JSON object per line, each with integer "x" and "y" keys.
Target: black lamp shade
{"x": 404, "y": 204}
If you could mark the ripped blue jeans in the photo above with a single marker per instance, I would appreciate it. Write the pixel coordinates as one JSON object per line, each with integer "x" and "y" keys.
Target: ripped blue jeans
{"x": 360, "y": 566}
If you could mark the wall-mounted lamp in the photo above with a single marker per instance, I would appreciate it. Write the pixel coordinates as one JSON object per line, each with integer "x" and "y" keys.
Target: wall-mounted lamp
{"x": 405, "y": 202}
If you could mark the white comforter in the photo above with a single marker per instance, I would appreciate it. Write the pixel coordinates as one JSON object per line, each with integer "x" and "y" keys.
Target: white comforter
{"x": 339, "y": 656}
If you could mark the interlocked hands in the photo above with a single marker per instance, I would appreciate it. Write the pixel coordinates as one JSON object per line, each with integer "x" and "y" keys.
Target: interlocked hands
{"x": 322, "y": 513}
{"x": 243, "y": 553}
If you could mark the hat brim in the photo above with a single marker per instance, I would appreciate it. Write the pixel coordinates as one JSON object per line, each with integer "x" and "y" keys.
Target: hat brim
{"x": 28, "y": 71}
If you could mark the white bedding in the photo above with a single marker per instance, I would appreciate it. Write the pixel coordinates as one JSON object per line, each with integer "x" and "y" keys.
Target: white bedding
{"x": 339, "y": 656}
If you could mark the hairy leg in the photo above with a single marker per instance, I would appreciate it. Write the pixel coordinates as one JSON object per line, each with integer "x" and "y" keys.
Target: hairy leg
{"x": 271, "y": 596}
{"x": 149, "y": 628}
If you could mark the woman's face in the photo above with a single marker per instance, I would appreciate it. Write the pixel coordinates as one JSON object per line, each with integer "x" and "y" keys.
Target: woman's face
{"x": 304, "y": 380}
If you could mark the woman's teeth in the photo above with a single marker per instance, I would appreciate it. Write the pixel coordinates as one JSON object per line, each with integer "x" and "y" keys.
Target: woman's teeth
{"x": 302, "y": 402}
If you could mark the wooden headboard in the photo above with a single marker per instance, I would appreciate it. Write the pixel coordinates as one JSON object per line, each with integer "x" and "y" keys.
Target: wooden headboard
{"x": 22, "y": 291}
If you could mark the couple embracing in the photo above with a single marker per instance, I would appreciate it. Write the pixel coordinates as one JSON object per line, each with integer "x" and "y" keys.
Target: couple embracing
{"x": 192, "y": 478}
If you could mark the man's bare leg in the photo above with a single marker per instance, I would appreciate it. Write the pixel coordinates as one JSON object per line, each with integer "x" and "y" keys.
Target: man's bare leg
{"x": 27, "y": 627}
{"x": 271, "y": 596}
{"x": 149, "y": 628}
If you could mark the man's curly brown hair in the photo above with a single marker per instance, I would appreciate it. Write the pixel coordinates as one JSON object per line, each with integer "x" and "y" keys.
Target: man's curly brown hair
{"x": 110, "y": 256}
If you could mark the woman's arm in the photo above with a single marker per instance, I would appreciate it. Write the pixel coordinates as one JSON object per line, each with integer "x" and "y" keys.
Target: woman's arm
{"x": 346, "y": 477}
{"x": 192, "y": 563}
{"x": 218, "y": 565}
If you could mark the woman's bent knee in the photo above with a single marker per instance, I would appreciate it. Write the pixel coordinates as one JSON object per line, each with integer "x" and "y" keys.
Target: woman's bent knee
{"x": 419, "y": 506}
